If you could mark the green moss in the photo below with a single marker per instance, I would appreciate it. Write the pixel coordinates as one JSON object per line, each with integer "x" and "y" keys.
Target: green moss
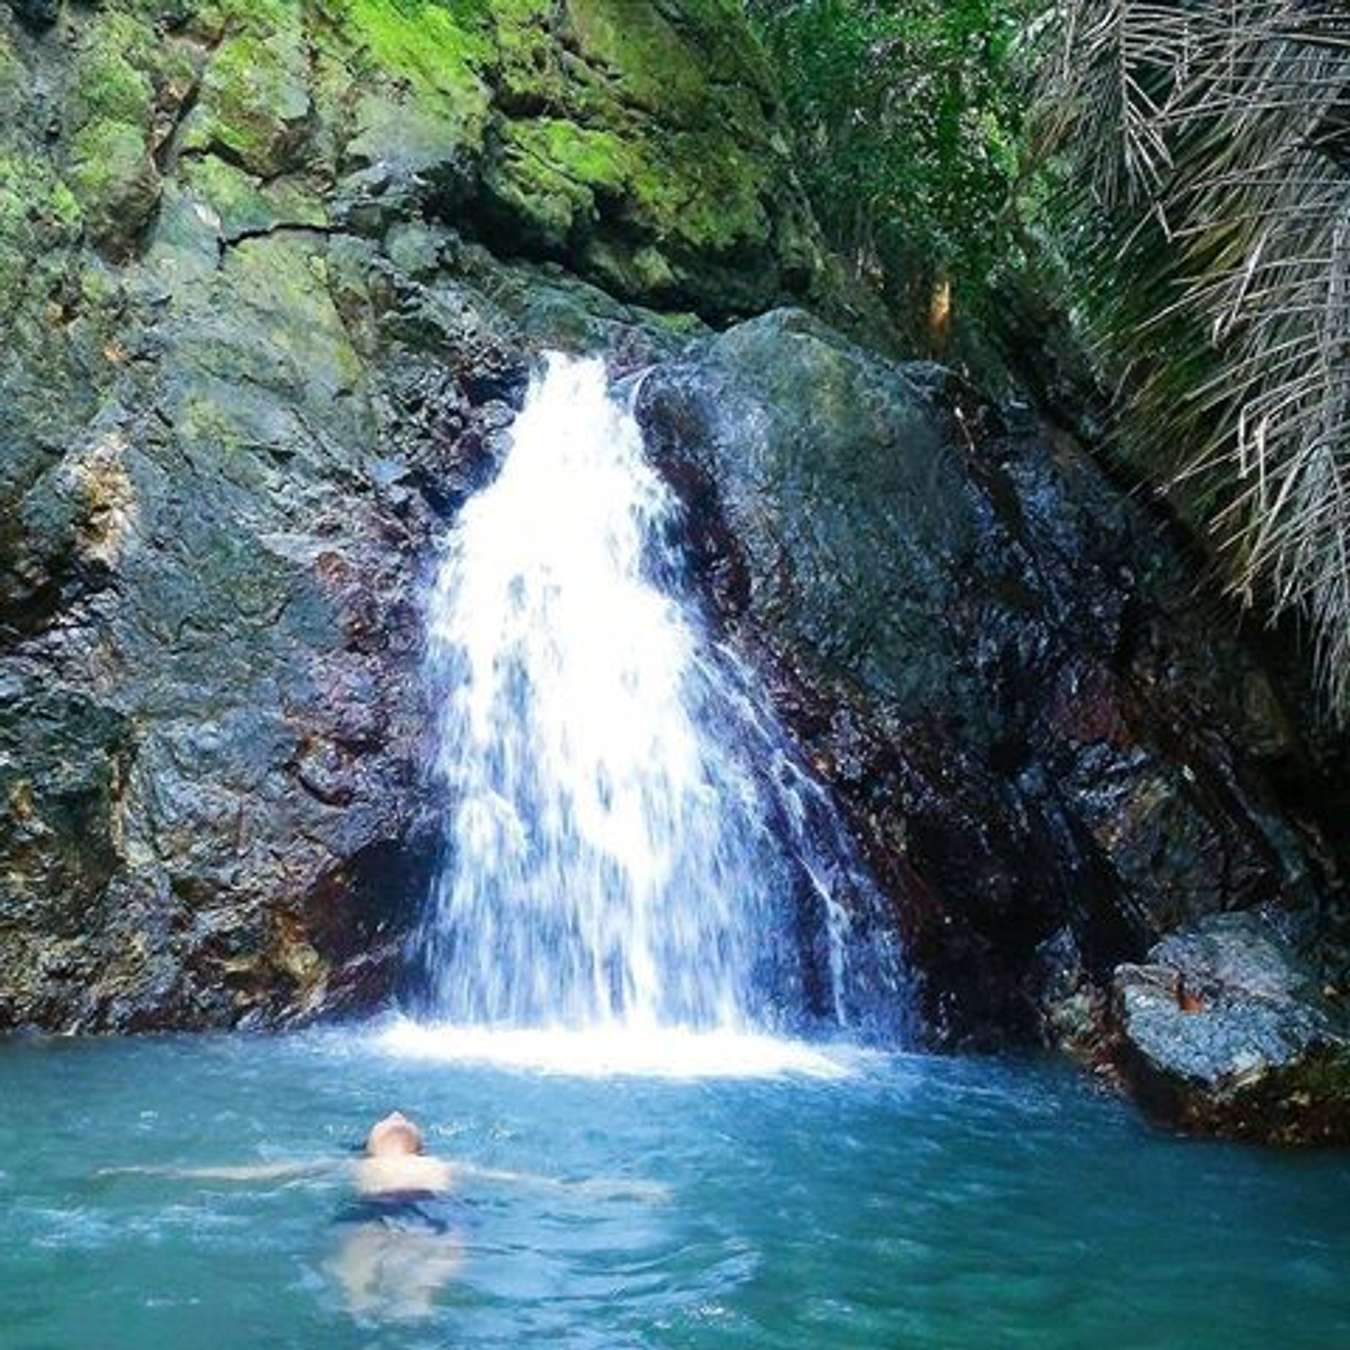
{"x": 99, "y": 288}
{"x": 392, "y": 130}
{"x": 401, "y": 83}
{"x": 295, "y": 337}
{"x": 549, "y": 173}
{"x": 39, "y": 216}
{"x": 544, "y": 206}
{"x": 109, "y": 81}
{"x": 528, "y": 66}
{"x": 13, "y": 76}
{"x": 230, "y": 192}
{"x": 437, "y": 50}
{"x": 699, "y": 190}
{"x": 254, "y": 105}
{"x": 211, "y": 19}
{"x": 629, "y": 138}
{"x": 205, "y": 421}
{"x": 434, "y": 51}
{"x": 243, "y": 203}
{"x": 657, "y": 68}
{"x": 103, "y": 155}
{"x": 662, "y": 109}
{"x": 634, "y": 117}
{"x": 599, "y": 159}
{"x": 64, "y": 205}
{"x": 113, "y": 178}
{"x": 652, "y": 270}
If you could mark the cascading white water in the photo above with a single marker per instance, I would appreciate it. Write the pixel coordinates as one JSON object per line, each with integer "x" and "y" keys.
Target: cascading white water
{"x": 631, "y": 842}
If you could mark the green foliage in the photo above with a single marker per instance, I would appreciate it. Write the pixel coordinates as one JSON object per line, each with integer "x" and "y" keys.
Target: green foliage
{"x": 909, "y": 126}
{"x": 1183, "y": 179}
{"x": 1206, "y": 213}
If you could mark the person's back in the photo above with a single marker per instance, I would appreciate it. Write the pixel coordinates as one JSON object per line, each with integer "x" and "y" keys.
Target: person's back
{"x": 403, "y": 1229}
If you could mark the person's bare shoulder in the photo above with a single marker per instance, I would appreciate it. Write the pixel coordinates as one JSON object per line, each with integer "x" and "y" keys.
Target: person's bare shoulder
{"x": 376, "y": 1176}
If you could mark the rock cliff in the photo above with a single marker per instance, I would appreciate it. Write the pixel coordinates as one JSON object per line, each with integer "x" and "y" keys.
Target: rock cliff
{"x": 253, "y": 352}
{"x": 1055, "y": 751}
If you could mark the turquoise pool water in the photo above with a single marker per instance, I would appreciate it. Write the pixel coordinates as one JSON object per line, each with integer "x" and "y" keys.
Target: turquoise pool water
{"x": 901, "y": 1201}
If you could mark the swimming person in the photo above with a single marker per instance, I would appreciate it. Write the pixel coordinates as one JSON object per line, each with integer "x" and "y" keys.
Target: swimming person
{"x": 402, "y": 1233}
{"x": 404, "y": 1244}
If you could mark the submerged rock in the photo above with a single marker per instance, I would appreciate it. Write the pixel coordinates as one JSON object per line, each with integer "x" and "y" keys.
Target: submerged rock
{"x": 1228, "y": 1030}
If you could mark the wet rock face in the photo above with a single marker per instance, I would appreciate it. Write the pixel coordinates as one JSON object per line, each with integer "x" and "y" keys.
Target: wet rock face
{"x": 212, "y": 731}
{"x": 251, "y": 361}
{"x": 1054, "y": 755}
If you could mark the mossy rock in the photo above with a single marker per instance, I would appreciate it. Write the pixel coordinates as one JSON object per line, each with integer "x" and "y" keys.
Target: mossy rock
{"x": 114, "y": 179}
{"x": 110, "y": 80}
{"x": 436, "y": 50}
{"x": 639, "y": 143}
{"x": 255, "y": 108}
{"x": 246, "y": 204}
{"x": 39, "y": 216}
{"x": 549, "y": 175}
{"x": 269, "y": 362}
{"x": 411, "y": 73}
{"x": 13, "y": 74}
{"x": 650, "y": 60}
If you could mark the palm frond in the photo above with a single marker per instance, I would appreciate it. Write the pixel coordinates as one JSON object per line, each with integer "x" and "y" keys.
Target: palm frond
{"x": 1211, "y": 145}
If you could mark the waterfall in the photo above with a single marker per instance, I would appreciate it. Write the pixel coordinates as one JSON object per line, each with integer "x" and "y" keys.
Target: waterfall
{"x": 631, "y": 840}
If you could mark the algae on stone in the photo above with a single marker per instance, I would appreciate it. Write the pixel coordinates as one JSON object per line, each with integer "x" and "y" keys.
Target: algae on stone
{"x": 254, "y": 106}
{"x": 246, "y": 204}
{"x": 115, "y": 181}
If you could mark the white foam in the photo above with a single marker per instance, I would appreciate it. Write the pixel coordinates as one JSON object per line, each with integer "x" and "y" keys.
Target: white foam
{"x": 620, "y": 1049}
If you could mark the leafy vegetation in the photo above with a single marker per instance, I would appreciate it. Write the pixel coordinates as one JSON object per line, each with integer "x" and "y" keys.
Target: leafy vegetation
{"x": 910, "y": 135}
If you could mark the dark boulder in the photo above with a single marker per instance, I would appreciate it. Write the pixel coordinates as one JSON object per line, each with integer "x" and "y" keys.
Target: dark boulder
{"x": 1053, "y": 747}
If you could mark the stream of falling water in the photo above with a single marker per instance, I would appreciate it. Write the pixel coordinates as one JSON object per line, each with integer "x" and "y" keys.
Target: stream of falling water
{"x": 635, "y": 855}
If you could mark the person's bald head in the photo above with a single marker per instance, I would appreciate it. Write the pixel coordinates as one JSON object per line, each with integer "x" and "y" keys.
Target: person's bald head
{"x": 393, "y": 1135}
